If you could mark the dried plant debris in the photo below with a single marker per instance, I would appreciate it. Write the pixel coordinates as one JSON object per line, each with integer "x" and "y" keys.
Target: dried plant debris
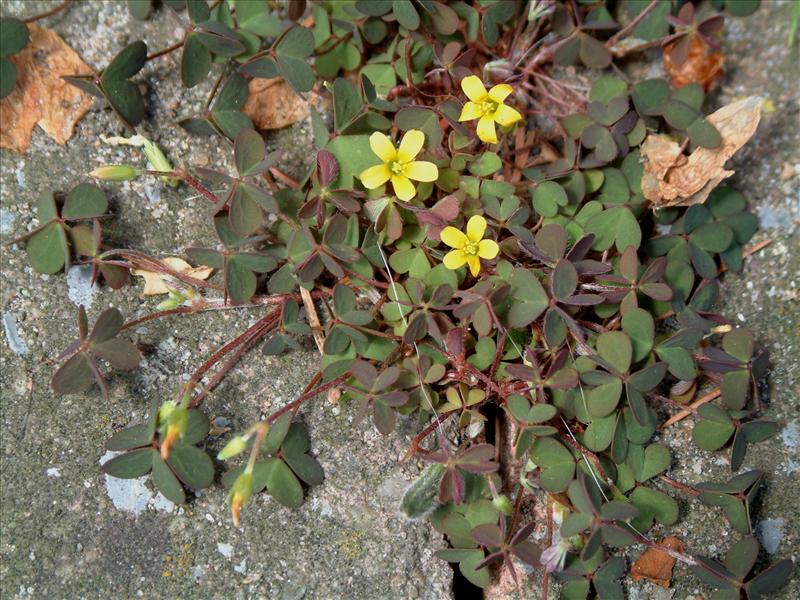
{"x": 498, "y": 279}
{"x": 156, "y": 283}
{"x": 672, "y": 179}
{"x": 41, "y": 96}
{"x": 703, "y": 65}
{"x": 274, "y": 104}
{"x": 656, "y": 565}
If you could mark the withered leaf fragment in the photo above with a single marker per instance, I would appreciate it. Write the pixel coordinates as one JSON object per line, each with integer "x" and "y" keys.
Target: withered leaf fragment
{"x": 655, "y": 565}
{"x": 42, "y": 97}
{"x": 702, "y": 65}
{"x": 273, "y": 104}
{"x": 672, "y": 179}
{"x": 157, "y": 283}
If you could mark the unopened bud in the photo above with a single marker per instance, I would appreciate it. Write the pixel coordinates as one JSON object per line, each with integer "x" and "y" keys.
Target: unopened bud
{"x": 503, "y": 504}
{"x": 233, "y": 448}
{"x": 240, "y": 493}
{"x": 153, "y": 153}
{"x": 721, "y": 329}
{"x": 115, "y": 173}
{"x": 540, "y": 8}
{"x": 174, "y": 300}
{"x": 165, "y": 410}
{"x": 498, "y": 70}
{"x": 175, "y": 428}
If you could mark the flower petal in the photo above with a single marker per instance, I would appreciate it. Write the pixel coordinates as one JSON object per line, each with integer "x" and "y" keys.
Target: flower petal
{"x": 476, "y": 227}
{"x": 375, "y": 176}
{"x": 505, "y": 115}
{"x": 470, "y": 111}
{"x": 410, "y": 145}
{"x": 474, "y": 264}
{"x": 383, "y": 147}
{"x": 454, "y": 259}
{"x": 500, "y": 92}
{"x": 488, "y": 249}
{"x": 421, "y": 170}
{"x": 453, "y": 237}
{"x": 486, "y": 130}
{"x": 473, "y": 88}
{"x": 403, "y": 188}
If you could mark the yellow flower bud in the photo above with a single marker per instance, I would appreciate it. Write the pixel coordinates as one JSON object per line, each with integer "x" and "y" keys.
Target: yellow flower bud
{"x": 176, "y": 424}
{"x": 503, "y": 504}
{"x": 114, "y": 173}
{"x": 240, "y": 493}
{"x": 234, "y": 447}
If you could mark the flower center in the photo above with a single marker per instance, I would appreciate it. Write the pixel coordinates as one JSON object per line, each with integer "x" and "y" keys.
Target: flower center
{"x": 471, "y": 248}
{"x": 488, "y": 107}
{"x": 396, "y": 168}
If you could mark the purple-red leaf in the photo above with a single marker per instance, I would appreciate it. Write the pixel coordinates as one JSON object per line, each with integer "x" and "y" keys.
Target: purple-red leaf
{"x": 487, "y": 535}
{"x": 327, "y": 168}
{"x": 108, "y": 325}
{"x": 119, "y": 353}
{"x": 527, "y": 552}
{"x": 452, "y": 487}
{"x": 74, "y": 376}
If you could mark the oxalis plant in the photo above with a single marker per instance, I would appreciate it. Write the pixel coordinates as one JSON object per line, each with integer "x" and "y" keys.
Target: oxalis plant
{"x": 474, "y": 233}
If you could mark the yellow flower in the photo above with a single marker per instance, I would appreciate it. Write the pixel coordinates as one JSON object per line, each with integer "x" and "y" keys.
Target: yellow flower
{"x": 469, "y": 247}
{"x": 488, "y": 107}
{"x": 398, "y": 164}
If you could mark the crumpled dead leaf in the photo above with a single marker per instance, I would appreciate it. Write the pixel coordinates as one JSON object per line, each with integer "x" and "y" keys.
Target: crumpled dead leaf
{"x": 703, "y": 64}
{"x": 41, "y": 96}
{"x": 273, "y": 104}
{"x": 672, "y": 179}
{"x": 655, "y": 565}
{"x": 155, "y": 283}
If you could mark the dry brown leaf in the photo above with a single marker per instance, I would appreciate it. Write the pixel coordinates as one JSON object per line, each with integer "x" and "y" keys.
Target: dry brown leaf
{"x": 273, "y": 104}
{"x": 703, "y": 65}
{"x": 41, "y": 96}
{"x": 672, "y": 179}
{"x": 655, "y": 565}
{"x": 156, "y": 283}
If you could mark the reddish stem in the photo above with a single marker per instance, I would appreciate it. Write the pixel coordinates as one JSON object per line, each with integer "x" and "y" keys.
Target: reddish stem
{"x": 231, "y": 345}
{"x": 189, "y": 180}
{"x": 679, "y": 486}
{"x": 251, "y": 340}
{"x": 293, "y": 406}
{"x": 630, "y": 26}
{"x": 432, "y": 426}
{"x": 49, "y": 13}
{"x": 164, "y": 51}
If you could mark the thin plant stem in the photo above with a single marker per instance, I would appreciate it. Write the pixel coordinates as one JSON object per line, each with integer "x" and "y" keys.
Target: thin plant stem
{"x": 693, "y": 406}
{"x": 630, "y": 26}
{"x": 164, "y": 51}
{"x": 432, "y": 426}
{"x": 49, "y": 13}
{"x": 213, "y": 92}
{"x": 188, "y": 179}
{"x": 305, "y": 397}
{"x": 679, "y": 486}
{"x": 251, "y": 340}
{"x": 228, "y": 347}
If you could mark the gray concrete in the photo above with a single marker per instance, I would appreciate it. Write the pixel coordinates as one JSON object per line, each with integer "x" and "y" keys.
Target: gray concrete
{"x": 70, "y": 532}
{"x": 63, "y": 536}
